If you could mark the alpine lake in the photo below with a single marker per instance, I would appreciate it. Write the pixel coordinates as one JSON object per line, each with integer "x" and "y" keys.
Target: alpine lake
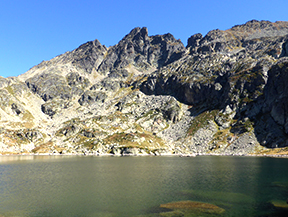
{"x": 143, "y": 186}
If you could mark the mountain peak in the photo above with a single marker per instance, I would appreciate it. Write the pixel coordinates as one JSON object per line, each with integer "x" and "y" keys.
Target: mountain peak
{"x": 137, "y": 33}
{"x": 142, "y": 51}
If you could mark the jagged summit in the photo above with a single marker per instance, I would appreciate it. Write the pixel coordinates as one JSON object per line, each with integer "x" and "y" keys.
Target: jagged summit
{"x": 137, "y": 49}
{"x": 240, "y": 37}
{"x": 260, "y": 29}
{"x": 151, "y": 52}
{"x": 137, "y": 34}
{"x": 261, "y": 25}
{"x": 142, "y": 51}
{"x": 225, "y": 93}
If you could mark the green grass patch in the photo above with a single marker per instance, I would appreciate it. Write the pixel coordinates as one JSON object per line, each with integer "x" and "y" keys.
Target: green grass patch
{"x": 201, "y": 121}
{"x": 242, "y": 126}
{"x": 43, "y": 148}
{"x": 10, "y": 90}
{"x": 27, "y": 116}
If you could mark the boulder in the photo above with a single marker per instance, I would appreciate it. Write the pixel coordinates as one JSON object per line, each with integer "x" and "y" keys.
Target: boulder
{"x": 90, "y": 97}
{"x": 49, "y": 86}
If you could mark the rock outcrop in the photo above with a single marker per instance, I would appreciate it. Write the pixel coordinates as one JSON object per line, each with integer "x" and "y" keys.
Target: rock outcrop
{"x": 224, "y": 93}
{"x": 142, "y": 51}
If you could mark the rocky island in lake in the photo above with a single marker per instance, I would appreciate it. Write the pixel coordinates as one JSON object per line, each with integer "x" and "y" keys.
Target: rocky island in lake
{"x": 224, "y": 93}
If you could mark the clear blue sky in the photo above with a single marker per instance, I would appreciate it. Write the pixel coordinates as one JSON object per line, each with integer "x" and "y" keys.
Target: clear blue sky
{"x": 36, "y": 30}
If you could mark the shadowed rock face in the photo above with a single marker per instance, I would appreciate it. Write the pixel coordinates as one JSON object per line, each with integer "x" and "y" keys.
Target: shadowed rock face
{"x": 89, "y": 55}
{"x": 48, "y": 86}
{"x": 225, "y": 93}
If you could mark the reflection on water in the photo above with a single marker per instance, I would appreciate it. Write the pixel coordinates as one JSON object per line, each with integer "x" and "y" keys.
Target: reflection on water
{"x": 137, "y": 186}
{"x": 13, "y": 158}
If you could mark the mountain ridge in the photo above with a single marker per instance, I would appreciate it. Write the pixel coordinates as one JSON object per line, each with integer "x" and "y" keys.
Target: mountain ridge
{"x": 223, "y": 93}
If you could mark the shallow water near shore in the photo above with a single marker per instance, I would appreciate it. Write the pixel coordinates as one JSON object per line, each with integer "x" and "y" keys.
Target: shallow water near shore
{"x": 137, "y": 186}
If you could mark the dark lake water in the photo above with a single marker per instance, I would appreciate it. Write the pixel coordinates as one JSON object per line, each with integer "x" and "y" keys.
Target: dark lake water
{"x": 137, "y": 186}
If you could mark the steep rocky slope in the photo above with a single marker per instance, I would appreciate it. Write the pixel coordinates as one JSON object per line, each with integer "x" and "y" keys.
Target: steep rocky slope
{"x": 224, "y": 93}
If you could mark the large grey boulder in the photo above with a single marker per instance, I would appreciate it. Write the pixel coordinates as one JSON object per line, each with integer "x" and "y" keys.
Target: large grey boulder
{"x": 49, "y": 85}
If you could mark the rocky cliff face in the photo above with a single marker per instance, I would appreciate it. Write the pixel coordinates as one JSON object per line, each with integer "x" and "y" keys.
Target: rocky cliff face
{"x": 224, "y": 93}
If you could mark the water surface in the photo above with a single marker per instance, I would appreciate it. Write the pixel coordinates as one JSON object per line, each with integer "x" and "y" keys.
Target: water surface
{"x": 137, "y": 186}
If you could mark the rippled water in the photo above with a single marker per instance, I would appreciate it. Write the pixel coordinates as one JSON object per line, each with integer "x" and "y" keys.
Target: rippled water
{"x": 137, "y": 186}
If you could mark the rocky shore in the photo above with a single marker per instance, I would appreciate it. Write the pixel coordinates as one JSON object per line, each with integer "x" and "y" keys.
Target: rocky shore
{"x": 143, "y": 155}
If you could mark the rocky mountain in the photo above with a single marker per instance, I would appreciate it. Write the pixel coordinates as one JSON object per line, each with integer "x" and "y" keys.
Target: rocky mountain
{"x": 224, "y": 93}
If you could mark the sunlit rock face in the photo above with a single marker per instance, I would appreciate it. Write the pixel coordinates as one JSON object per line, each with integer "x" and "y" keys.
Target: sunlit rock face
{"x": 224, "y": 93}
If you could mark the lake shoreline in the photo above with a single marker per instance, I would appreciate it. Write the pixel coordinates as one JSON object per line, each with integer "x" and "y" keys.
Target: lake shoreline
{"x": 153, "y": 155}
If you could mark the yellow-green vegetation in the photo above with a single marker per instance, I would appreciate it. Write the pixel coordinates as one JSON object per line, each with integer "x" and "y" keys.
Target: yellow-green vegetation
{"x": 151, "y": 113}
{"x": 121, "y": 139}
{"x": 246, "y": 99}
{"x": 200, "y": 121}
{"x": 17, "y": 137}
{"x": 274, "y": 151}
{"x": 9, "y": 139}
{"x": 249, "y": 125}
{"x": 141, "y": 78}
{"x": 59, "y": 149}
{"x": 82, "y": 132}
{"x": 90, "y": 132}
{"x": 244, "y": 75}
{"x": 280, "y": 204}
{"x": 111, "y": 122}
{"x": 129, "y": 79}
{"x": 166, "y": 127}
{"x": 43, "y": 148}
{"x": 69, "y": 126}
{"x": 224, "y": 117}
{"x": 65, "y": 130}
{"x": 138, "y": 128}
{"x": 233, "y": 48}
{"x": 25, "y": 124}
{"x": 119, "y": 115}
{"x": 258, "y": 92}
{"x": 10, "y": 90}
{"x": 191, "y": 208}
{"x": 130, "y": 104}
{"x": 24, "y": 136}
{"x": 243, "y": 126}
{"x": 127, "y": 91}
{"x": 27, "y": 116}
{"x": 85, "y": 141}
{"x": 220, "y": 138}
{"x": 73, "y": 120}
